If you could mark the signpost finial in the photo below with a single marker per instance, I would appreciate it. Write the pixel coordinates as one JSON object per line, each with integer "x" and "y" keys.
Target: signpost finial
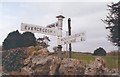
{"x": 60, "y": 16}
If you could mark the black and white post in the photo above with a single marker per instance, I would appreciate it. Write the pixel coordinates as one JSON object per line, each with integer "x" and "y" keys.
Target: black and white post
{"x": 60, "y": 24}
{"x": 69, "y": 33}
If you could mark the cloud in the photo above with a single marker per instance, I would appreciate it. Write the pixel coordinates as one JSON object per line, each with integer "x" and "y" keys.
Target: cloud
{"x": 80, "y": 9}
{"x": 85, "y": 16}
{"x": 59, "y": 0}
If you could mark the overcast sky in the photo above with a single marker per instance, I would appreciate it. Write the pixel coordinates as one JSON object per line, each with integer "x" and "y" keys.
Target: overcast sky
{"x": 85, "y": 17}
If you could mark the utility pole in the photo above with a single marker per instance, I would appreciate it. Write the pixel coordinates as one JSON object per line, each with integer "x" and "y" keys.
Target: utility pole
{"x": 69, "y": 33}
{"x": 60, "y": 23}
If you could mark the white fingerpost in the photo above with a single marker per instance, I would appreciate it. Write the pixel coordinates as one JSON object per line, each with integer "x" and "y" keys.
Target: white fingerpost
{"x": 60, "y": 24}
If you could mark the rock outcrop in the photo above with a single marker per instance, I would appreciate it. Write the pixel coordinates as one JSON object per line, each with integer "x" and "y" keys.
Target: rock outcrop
{"x": 96, "y": 68}
{"x": 41, "y": 63}
{"x": 71, "y": 67}
{"x": 38, "y": 61}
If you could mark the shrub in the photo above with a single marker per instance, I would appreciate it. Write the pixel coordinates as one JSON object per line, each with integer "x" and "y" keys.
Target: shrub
{"x": 15, "y": 40}
{"x": 28, "y": 39}
{"x": 99, "y": 52}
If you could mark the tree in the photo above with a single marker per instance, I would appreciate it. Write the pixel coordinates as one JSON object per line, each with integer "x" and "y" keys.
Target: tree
{"x": 16, "y": 39}
{"x": 43, "y": 41}
{"x": 28, "y": 39}
{"x": 99, "y": 52}
{"x": 113, "y": 22}
{"x": 13, "y": 40}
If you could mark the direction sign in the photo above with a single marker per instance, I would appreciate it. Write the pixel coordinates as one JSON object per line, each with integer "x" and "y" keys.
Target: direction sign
{"x": 71, "y": 39}
{"x": 40, "y": 29}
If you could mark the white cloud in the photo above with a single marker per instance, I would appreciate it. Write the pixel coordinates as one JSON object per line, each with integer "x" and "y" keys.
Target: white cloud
{"x": 85, "y": 16}
{"x": 59, "y": 0}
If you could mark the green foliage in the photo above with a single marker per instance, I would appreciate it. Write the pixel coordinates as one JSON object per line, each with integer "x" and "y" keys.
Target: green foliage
{"x": 86, "y": 58}
{"x": 43, "y": 41}
{"x": 111, "y": 61}
{"x": 113, "y": 22}
{"x": 44, "y": 44}
{"x": 15, "y": 40}
{"x": 28, "y": 39}
{"x": 12, "y": 60}
{"x": 99, "y": 52}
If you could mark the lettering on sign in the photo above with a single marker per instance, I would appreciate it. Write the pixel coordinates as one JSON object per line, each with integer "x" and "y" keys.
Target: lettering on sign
{"x": 71, "y": 39}
{"x": 40, "y": 29}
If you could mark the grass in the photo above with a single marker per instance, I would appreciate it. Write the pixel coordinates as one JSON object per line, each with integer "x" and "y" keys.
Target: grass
{"x": 111, "y": 61}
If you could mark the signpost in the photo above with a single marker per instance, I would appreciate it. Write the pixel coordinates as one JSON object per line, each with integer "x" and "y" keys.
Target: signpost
{"x": 72, "y": 39}
{"x": 48, "y": 31}
{"x": 69, "y": 33}
{"x": 40, "y": 29}
{"x": 60, "y": 24}
{"x": 56, "y": 32}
